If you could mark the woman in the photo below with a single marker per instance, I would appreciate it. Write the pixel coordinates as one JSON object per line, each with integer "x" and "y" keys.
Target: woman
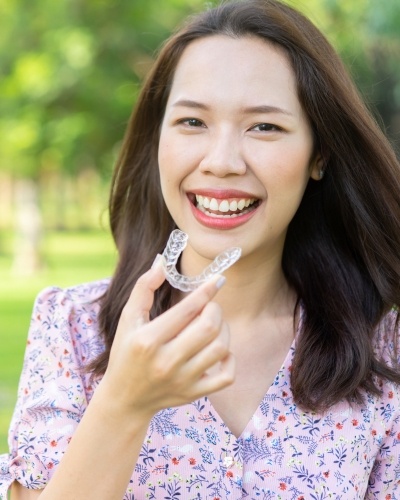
{"x": 281, "y": 383}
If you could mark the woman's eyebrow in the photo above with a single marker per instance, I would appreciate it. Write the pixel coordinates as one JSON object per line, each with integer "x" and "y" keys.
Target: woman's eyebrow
{"x": 188, "y": 103}
{"x": 263, "y": 108}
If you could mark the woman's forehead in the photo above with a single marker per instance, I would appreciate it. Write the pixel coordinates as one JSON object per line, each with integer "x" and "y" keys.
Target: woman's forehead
{"x": 244, "y": 72}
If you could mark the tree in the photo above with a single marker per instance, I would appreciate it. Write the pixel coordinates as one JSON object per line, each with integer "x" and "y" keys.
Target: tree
{"x": 367, "y": 35}
{"x": 70, "y": 72}
{"x": 71, "y": 69}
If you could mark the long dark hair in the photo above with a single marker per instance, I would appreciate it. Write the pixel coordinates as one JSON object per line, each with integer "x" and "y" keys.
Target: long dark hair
{"x": 341, "y": 253}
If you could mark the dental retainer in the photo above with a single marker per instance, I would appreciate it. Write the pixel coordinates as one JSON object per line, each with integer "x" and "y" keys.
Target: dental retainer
{"x": 175, "y": 246}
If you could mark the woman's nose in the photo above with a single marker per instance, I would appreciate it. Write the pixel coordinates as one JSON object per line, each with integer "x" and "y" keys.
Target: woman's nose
{"x": 223, "y": 156}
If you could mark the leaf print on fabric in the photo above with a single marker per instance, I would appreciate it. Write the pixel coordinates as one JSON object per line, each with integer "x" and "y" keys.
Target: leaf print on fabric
{"x": 160, "y": 469}
{"x": 193, "y": 433}
{"x": 296, "y": 493}
{"x": 303, "y": 474}
{"x": 50, "y": 323}
{"x": 129, "y": 495}
{"x": 207, "y": 417}
{"x": 200, "y": 467}
{"x": 163, "y": 423}
{"x": 340, "y": 478}
{"x": 199, "y": 405}
{"x": 36, "y": 482}
{"x": 387, "y": 412}
{"x": 285, "y": 479}
{"x": 26, "y": 445}
{"x": 212, "y": 435}
{"x": 264, "y": 407}
{"x": 323, "y": 495}
{"x": 189, "y": 453}
{"x": 257, "y": 449}
{"x": 196, "y": 481}
{"x": 340, "y": 453}
{"x": 265, "y": 494}
{"x": 310, "y": 442}
{"x": 367, "y": 415}
{"x": 295, "y": 452}
{"x": 288, "y": 436}
{"x": 328, "y": 420}
{"x": 173, "y": 491}
{"x": 47, "y": 411}
{"x": 265, "y": 474}
{"x": 275, "y": 412}
{"x": 237, "y": 449}
{"x": 328, "y": 436}
{"x": 396, "y": 470}
{"x": 217, "y": 487}
{"x": 144, "y": 476}
{"x": 146, "y": 453}
{"x": 311, "y": 425}
{"x": 207, "y": 455}
{"x": 165, "y": 453}
{"x": 385, "y": 451}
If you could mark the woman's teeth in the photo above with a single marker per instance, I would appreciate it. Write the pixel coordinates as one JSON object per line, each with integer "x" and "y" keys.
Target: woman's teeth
{"x": 224, "y": 206}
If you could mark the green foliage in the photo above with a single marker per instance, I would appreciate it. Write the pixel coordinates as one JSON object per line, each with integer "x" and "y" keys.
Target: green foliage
{"x": 71, "y": 258}
{"x": 70, "y": 70}
{"x": 69, "y": 75}
{"x": 367, "y": 35}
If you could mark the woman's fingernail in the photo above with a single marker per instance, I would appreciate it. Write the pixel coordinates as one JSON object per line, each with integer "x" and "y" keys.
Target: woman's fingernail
{"x": 156, "y": 260}
{"x": 220, "y": 282}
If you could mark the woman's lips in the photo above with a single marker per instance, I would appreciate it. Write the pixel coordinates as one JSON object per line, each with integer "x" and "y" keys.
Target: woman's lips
{"x": 223, "y": 209}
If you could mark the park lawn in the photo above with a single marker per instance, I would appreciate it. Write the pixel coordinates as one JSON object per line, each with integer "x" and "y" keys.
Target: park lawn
{"x": 71, "y": 258}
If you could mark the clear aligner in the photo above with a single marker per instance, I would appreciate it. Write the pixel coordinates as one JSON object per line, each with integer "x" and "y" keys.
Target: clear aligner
{"x": 175, "y": 246}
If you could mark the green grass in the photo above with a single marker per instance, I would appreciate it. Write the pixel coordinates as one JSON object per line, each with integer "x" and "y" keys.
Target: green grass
{"x": 70, "y": 258}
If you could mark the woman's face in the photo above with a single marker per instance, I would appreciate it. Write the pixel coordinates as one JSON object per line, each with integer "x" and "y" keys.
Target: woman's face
{"x": 236, "y": 148}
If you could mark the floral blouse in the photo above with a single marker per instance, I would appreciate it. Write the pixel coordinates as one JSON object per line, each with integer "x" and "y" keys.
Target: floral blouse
{"x": 189, "y": 453}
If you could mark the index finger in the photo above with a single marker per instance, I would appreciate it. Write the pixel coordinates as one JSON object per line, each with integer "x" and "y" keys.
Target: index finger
{"x": 172, "y": 322}
{"x": 142, "y": 296}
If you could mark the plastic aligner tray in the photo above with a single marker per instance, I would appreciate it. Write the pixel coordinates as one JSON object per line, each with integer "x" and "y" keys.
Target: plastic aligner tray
{"x": 175, "y": 246}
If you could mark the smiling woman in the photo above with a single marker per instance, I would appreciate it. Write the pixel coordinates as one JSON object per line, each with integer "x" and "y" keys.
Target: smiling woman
{"x": 228, "y": 137}
{"x": 280, "y": 379}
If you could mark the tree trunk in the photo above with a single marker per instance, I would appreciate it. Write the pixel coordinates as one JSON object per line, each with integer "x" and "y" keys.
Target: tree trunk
{"x": 28, "y": 229}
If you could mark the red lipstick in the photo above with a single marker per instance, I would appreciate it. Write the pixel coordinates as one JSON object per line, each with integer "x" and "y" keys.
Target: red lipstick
{"x": 218, "y": 220}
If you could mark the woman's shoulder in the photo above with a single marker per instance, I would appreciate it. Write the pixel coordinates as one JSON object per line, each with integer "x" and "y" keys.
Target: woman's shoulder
{"x": 67, "y": 318}
{"x": 82, "y": 294}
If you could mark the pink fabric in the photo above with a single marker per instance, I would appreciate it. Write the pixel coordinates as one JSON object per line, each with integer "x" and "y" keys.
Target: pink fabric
{"x": 189, "y": 453}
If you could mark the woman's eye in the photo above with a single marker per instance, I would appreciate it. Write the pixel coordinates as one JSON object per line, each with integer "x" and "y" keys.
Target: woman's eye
{"x": 266, "y": 127}
{"x": 192, "y": 122}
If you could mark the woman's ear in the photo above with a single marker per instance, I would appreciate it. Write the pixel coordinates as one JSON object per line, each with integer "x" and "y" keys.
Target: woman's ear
{"x": 317, "y": 167}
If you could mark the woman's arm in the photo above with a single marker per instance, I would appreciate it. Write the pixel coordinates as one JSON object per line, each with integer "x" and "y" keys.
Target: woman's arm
{"x": 18, "y": 492}
{"x": 153, "y": 365}
{"x": 100, "y": 458}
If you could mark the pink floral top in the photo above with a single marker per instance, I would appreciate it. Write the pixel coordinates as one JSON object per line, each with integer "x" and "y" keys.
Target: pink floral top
{"x": 189, "y": 453}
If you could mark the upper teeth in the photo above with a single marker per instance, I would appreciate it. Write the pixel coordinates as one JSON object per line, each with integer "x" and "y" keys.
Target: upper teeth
{"x": 224, "y": 205}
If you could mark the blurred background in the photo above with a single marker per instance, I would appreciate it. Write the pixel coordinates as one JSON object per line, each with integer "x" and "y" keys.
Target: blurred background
{"x": 70, "y": 72}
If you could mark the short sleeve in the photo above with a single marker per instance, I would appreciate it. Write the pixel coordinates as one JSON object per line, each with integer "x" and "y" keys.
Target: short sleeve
{"x": 54, "y": 389}
{"x": 384, "y": 481}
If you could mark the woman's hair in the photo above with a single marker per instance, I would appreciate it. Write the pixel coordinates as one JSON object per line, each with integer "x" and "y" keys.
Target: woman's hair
{"x": 341, "y": 253}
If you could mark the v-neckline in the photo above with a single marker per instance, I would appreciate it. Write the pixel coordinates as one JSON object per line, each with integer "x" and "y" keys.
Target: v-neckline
{"x": 269, "y": 391}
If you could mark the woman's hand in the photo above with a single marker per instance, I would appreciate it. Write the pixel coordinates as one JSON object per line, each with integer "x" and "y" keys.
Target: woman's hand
{"x": 162, "y": 363}
{"x": 153, "y": 365}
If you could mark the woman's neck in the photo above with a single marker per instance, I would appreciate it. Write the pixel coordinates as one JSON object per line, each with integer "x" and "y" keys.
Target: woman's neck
{"x": 253, "y": 290}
